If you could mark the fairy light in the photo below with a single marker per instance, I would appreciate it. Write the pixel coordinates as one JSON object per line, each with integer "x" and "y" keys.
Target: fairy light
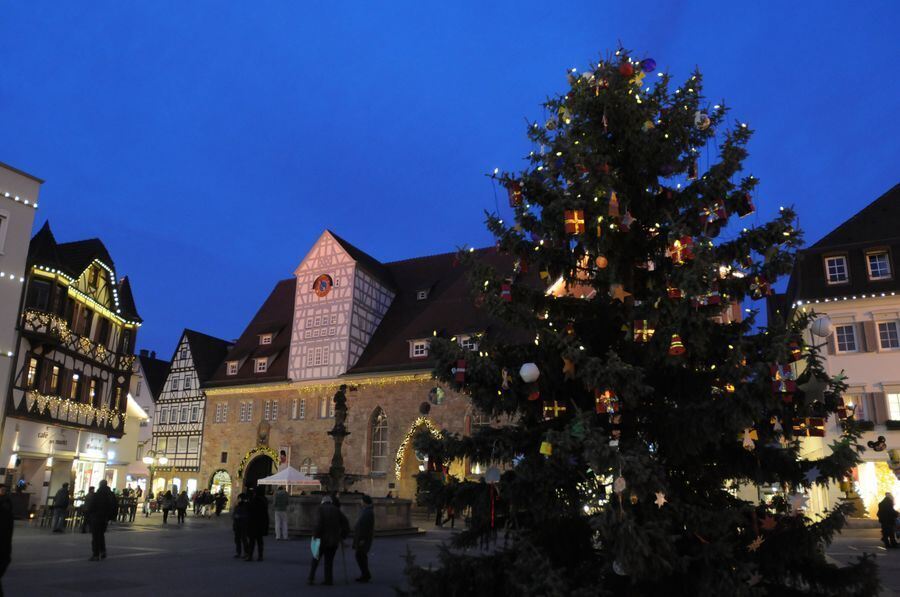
{"x": 18, "y": 199}
{"x": 844, "y": 298}
{"x": 401, "y": 451}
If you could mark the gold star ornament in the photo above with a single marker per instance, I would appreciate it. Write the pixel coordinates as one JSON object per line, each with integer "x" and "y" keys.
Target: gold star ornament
{"x": 660, "y": 499}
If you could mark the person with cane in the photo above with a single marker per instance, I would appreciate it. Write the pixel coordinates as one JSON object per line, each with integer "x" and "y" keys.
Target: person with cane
{"x": 330, "y": 529}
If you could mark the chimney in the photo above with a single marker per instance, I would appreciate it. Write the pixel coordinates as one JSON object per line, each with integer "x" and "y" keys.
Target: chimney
{"x": 144, "y": 352}
{"x": 153, "y": 354}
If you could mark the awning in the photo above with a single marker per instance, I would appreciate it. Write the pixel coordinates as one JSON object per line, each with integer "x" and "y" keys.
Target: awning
{"x": 289, "y": 476}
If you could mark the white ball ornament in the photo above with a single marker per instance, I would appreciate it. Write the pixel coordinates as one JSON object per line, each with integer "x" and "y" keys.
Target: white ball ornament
{"x": 821, "y": 327}
{"x": 529, "y": 372}
{"x": 701, "y": 120}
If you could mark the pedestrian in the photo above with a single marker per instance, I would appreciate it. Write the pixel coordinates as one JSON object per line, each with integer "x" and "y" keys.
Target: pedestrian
{"x": 6, "y": 531}
{"x": 85, "y": 520}
{"x": 363, "y": 533}
{"x": 221, "y": 500}
{"x": 330, "y": 529}
{"x": 239, "y": 520}
{"x": 147, "y": 500}
{"x": 206, "y": 502}
{"x": 168, "y": 503}
{"x": 195, "y": 501}
{"x": 887, "y": 517}
{"x": 281, "y": 506}
{"x": 100, "y": 510}
{"x": 60, "y": 508}
{"x": 181, "y": 504}
{"x": 257, "y": 523}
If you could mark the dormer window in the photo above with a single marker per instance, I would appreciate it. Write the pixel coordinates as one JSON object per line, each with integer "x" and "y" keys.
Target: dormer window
{"x": 260, "y": 365}
{"x": 93, "y": 276}
{"x": 418, "y": 349}
{"x": 468, "y": 342}
{"x": 879, "y": 265}
{"x": 232, "y": 368}
{"x": 265, "y": 339}
{"x": 421, "y": 295}
{"x": 836, "y": 269}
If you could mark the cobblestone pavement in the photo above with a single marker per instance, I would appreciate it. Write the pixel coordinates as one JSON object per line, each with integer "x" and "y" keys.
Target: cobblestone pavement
{"x": 852, "y": 543}
{"x": 147, "y": 558}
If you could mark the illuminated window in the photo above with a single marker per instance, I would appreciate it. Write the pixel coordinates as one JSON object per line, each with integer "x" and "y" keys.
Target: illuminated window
{"x": 379, "y": 442}
{"x": 846, "y": 338}
{"x": 31, "y": 376}
{"x": 418, "y": 349}
{"x": 893, "y": 401}
{"x": 265, "y": 339}
{"x": 887, "y": 335}
{"x": 75, "y": 387}
{"x": 261, "y": 365}
{"x": 54, "y": 380}
{"x": 836, "y": 269}
{"x": 232, "y": 368}
{"x": 468, "y": 342}
{"x": 302, "y": 413}
{"x": 879, "y": 265}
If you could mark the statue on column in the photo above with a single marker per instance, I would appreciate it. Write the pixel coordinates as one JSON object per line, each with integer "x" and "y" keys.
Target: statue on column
{"x": 336, "y": 480}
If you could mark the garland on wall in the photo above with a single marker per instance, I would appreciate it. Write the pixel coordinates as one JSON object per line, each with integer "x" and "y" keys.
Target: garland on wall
{"x": 62, "y": 408}
{"x": 398, "y": 461}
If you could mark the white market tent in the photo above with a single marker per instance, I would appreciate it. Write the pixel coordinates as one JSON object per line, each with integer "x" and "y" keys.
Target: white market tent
{"x": 289, "y": 477}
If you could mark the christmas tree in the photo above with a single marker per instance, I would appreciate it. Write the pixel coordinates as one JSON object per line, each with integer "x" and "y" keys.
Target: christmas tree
{"x": 629, "y": 403}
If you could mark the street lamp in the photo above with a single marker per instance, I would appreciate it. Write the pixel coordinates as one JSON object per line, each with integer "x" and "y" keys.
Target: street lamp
{"x": 152, "y": 462}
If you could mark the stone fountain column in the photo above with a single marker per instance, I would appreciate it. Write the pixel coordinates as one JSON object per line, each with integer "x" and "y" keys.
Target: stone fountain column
{"x": 336, "y": 481}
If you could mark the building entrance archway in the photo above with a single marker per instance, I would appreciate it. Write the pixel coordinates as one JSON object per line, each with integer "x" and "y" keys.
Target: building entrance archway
{"x": 261, "y": 466}
{"x": 408, "y": 464}
{"x": 221, "y": 480}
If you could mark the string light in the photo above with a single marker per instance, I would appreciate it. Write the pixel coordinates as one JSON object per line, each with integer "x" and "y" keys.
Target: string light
{"x": 18, "y": 199}
{"x": 844, "y": 298}
{"x": 321, "y": 387}
{"x": 398, "y": 461}
{"x": 59, "y": 405}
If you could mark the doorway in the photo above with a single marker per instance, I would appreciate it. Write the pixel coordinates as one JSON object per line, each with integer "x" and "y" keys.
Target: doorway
{"x": 259, "y": 467}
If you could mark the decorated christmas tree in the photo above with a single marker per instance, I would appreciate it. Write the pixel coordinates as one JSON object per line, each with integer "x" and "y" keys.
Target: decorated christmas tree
{"x": 633, "y": 409}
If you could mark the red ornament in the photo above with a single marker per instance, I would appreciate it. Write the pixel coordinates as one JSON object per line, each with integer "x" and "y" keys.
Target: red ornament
{"x": 783, "y": 381}
{"x": 745, "y": 207}
{"x": 642, "y": 331}
{"x": 626, "y": 69}
{"x": 506, "y": 291}
{"x": 605, "y": 402}
{"x": 676, "y": 347}
{"x": 674, "y": 293}
{"x": 809, "y": 427}
{"x": 760, "y": 287}
{"x": 681, "y": 250}
{"x": 574, "y": 220}
{"x": 459, "y": 372}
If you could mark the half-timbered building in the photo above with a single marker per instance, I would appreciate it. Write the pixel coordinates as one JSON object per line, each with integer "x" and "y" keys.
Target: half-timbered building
{"x": 181, "y": 409}
{"x": 73, "y": 366}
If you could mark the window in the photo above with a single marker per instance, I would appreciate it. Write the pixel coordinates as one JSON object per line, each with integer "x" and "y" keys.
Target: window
{"x": 274, "y": 410}
{"x": 224, "y": 457}
{"x": 418, "y": 349}
{"x": 161, "y": 445}
{"x": 379, "y": 442}
{"x": 185, "y": 412}
{"x": 334, "y": 319}
{"x": 893, "y": 401}
{"x": 118, "y": 399}
{"x": 308, "y": 467}
{"x": 184, "y": 353}
{"x": 31, "y": 376}
{"x": 261, "y": 365}
{"x": 267, "y": 409}
{"x": 294, "y": 402}
{"x": 92, "y": 390}
{"x": 182, "y": 444}
{"x": 836, "y": 270}
{"x": 193, "y": 445}
{"x": 302, "y": 414}
{"x": 421, "y": 295}
{"x": 265, "y": 339}
{"x": 318, "y": 356}
{"x": 4, "y": 225}
{"x": 187, "y": 383}
{"x": 232, "y": 368}
{"x": 468, "y": 342}
{"x": 54, "y": 380}
{"x": 137, "y": 392}
{"x": 224, "y": 412}
{"x": 846, "y": 338}
{"x": 75, "y": 387}
{"x": 195, "y": 414}
{"x": 139, "y": 454}
{"x": 326, "y": 407}
{"x": 163, "y": 415}
{"x": 218, "y": 415}
{"x": 39, "y": 294}
{"x": 94, "y": 276}
{"x": 309, "y": 358}
{"x": 246, "y": 412}
{"x": 888, "y": 336}
{"x": 879, "y": 265}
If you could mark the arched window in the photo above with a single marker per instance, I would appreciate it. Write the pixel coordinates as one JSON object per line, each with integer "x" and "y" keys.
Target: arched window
{"x": 379, "y": 442}
{"x": 308, "y": 467}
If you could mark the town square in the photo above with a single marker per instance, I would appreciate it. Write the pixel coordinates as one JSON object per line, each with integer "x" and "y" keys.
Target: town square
{"x": 471, "y": 299}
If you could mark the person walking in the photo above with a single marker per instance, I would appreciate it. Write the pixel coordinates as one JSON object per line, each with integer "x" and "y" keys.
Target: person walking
{"x": 60, "y": 508}
{"x": 149, "y": 498}
{"x": 85, "y": 521}
{"x": 6, "y": 531}
{"x": 239, "y": 520}
{"x": 168, "y": 503}
{"x": 330, "y": 529}
{"x": 281, "y": 506}
{"x": 181, "y": 504}
{"x": 363, "y": 534}
{"x": 101, "y": 508}
{"x": 257, "y": 523}
{"x": 221, "y": 500}
{"x": 887, "y": 517}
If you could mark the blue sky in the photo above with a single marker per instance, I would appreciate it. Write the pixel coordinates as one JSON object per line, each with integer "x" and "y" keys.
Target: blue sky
{"x": 209, "y": 143}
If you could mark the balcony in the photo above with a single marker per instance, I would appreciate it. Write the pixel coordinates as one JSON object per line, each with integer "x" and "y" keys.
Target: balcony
{"x": 55, "y": 327}
{"x": 55, "y": 409}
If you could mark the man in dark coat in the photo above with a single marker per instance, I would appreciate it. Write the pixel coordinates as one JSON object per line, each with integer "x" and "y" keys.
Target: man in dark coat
{"x": 331, "y": 527}
{"x": 239, "y": 524}
{"x": 101, "y": 508}
{"x": 60, "y": 508}
{"x": 257, "y": 523}
{"x": 887, "y": 516}
{"x": 6, "y": 531}
{"x": 363, "y": 533}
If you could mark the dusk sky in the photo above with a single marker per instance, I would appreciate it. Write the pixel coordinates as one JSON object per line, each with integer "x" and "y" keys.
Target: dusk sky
{"x": 208, "y": 144}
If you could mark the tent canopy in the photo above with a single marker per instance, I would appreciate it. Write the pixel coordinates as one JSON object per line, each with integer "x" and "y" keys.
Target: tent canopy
{"x": 289, "y": 476}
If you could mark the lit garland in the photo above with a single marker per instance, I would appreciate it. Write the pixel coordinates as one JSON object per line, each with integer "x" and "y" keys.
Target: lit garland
{"x": 18, "y": 199}
{"x": 845, "y": 298}
{"x": 64, "y": 406}
{"x": 12, "y": 277}
{"x": 398, "y": 461}
{"x": 255, "y": 452}
{"x": 320, "y": 387}
{"x": 44, "y": 270}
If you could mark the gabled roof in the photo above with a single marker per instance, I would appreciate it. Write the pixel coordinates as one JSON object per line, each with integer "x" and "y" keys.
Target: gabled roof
{"x": 276, "y": 314}
{"x": 42, "y": 249}
{"x": 78, "y": 255}
{"x": 449, "y": 308}
{"x": 207, "y": 352}
{"x": 155, "y": 373}
{"x": 126, "y": 300}
{"x": 876, "y": 222}
{"x": 366, "y": 261}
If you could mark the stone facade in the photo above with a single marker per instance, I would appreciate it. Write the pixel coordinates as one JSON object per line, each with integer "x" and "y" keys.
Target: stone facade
{"x": 306, "y": 438}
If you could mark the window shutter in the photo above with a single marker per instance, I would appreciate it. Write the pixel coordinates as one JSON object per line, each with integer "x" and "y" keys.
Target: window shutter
{"x": 881, "y": 411}
{"x": 871, "y": 336}
{"x": 831, "y": 344}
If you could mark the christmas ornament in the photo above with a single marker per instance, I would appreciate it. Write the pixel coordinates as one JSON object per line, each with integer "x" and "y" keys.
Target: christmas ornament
{"x": 814, "y": 389}
{"x": 795, "y": 352}
{"x": 776, "y": 425}
{"x": 625, "y": 69}
{"x": 745, "y": 206}
{"x": 756, "y": 544}
{"x": 553, "y": 410}
{"x": 613, "y": 205}
{"x": 504, "y": 378}
{"x": 514, "y": 190}
{"x": 676, "y": 347}
{"x": 798, "y": 502}
{"x": 783, "y": 381}
{"x": 424, "y": 408}
{"x": 749, "y": 438}
{"x": 812, "y": 475}
{"x": 618, "y": 293}
{"x": 568, "y": 368}
{"x": 601, "y": 261}
{"x": 546, "y": 448}
{"x": 674, "y": 293}
{"x": 459, "y": 372}
{"x": 648, "y": 125}
{"x": 605, "y": 402}
{"x": 821, "y": 327}
{"x": 529, "y": 372}
{"x": 619, "y": 484}
{"x": 534, "y": 395}
{"x": 809, "y": 427}
{"x": 550, "y": 124}
{"x": 626, "y": 222}
{"x": 681, "y": 250}
{"x": 506, "y": 291}
{"x": 574, "y": 221}
{"x": 701, "y": 120}
{"x": 660, "y": 499}
{"x": 642, "y": 331}
{"x": 637, "y": 78}
{"x": 618, "y": 568}
{"x": 648, "y": 65}
{"x": 545, "y": 276}
{"x": 570, "y": 329}
{"x": 492, "y": 475}
{"x": 878, "y": 445}
{"x": 769, "y": 523}
{"x": 436, "y": 396}
{"x": 759, "y": 287}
